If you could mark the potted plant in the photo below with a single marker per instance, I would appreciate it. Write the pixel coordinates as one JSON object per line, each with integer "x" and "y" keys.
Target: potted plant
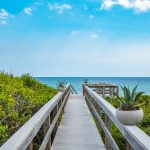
{"x": 129, "y": 112}
{"x": 86, "y": 80}
{"x": 61, "y": 85}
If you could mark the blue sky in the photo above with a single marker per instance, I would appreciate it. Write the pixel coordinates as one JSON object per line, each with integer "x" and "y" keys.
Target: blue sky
{"x": 75, "y": 38}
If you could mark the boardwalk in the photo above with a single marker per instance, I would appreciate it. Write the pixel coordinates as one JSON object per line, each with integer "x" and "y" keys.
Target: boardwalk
{"x": 77, "y": 130}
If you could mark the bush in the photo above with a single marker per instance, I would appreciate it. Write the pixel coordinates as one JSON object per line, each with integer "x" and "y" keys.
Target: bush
{"x": 20, "y": 98}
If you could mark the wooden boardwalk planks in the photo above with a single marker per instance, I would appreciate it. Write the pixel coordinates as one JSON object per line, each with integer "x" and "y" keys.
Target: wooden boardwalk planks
{"x": 77, "y": 130}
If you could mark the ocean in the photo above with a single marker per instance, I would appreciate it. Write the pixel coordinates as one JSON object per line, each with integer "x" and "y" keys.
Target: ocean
{"x": 144, "y": 82}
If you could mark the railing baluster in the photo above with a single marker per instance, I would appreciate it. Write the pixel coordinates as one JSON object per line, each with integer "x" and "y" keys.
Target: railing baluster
{"x": 128, "y": 146}
{"x": 57, "y": 108}
{"x": 45, "y": 129}
{"x": 103, "y": 92}
{"x": 108, "y": 124}
{"x": 54, "y": 113}
{"x": 30, "y": 146}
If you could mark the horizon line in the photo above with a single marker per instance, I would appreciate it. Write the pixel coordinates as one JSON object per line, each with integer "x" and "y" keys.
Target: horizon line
{"x": 91, "y": 77}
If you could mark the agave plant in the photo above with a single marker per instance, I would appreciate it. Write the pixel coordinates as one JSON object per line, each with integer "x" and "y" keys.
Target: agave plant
{"x": 86, "y": 80}
{"x": 130, "y": 99}
{"x": 61, "y": 84}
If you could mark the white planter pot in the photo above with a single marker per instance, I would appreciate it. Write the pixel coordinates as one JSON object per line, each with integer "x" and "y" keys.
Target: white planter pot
{"x": 129, "y": 117}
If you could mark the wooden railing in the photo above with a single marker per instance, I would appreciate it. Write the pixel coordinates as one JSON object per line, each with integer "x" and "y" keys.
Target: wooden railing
{"x": 135, "y": 137}
{"x": 73, "y": 90}
{"x": 46, "y": 119}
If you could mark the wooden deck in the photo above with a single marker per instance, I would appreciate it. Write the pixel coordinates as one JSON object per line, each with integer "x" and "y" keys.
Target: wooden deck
{"x": 77, "y": 130}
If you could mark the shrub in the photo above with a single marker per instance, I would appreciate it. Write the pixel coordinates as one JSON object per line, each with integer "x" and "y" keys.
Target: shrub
{"x": 20, "y": 98}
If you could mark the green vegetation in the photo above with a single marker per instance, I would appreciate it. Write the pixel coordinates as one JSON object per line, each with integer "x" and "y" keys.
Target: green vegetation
{"x": 144, "y": 125}
{"x": 130, "y": 99}
{"x": 20, "y": 98}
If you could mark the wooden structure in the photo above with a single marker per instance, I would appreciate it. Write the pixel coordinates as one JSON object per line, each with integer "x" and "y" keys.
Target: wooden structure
{"x": 77, "y": 130}
{"x": 104, "y": 89}
{"x": 135, "y": 137}
{"x": 77, "y": 125}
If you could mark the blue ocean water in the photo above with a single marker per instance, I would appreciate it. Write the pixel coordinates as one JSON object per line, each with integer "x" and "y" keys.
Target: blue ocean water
{"x": 144, "y": 82}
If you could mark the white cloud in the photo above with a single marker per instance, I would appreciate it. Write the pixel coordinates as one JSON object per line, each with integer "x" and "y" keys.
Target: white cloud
{"x": 60, "y": 8}
{"x": 28, "y": 11}
{"x": 74, "y": 33}
{"x": 137, "y": 5}
{"x": 91, "y": 16}
{"x": 121, "y": 56}
{"x": 3, "y": 14}
{"x": 3, "y": 22}
{"x": 94, "y": 36}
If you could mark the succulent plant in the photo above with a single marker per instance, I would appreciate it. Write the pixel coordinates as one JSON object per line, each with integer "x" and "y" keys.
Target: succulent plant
{"x": 86, "y": 80}
{"x": 130, "y": 99}
{"x": 61, "y": 84}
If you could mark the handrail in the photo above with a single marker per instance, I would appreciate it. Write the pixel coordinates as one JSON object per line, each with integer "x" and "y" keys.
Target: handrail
{"x": 23, "y": 138}
{"x": 73, "y": 89}
{"x": 136, "y": 138}
{"x": 46, "y": 138}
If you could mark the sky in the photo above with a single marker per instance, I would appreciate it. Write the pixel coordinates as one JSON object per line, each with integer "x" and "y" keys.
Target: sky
{"x": 56, "y": 38}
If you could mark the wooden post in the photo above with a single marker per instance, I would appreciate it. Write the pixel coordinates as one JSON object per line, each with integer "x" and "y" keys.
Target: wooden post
{"x": 52, "y": 118}
{"x": 98, "y": 90}
{"x": 62, "y": 99}
{"x": 54, "y": 113}
{"x": 57, "y": 108}
{"x": 111, "y": 91}
{"x": 63, "y": 110}
{"x": 46, "y": 126}
{"x": 108, "y": 124}
{"x": 83, "y": 89}
{"x": 30, "y": 146}
{"x": 99, "y": 110}
{"x": 103, "y": 92}
{"x": 117, "y": 90}
{"x": 128, "y": 146}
